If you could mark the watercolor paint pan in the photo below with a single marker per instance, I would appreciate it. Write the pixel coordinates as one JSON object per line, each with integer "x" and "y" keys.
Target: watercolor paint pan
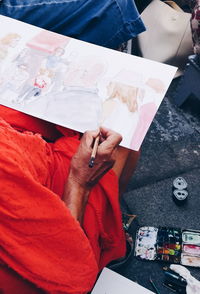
{"x": 168, "y": 244}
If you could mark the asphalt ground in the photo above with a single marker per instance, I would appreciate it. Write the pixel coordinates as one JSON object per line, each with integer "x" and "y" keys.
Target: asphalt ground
{"x": 170, "y": 149}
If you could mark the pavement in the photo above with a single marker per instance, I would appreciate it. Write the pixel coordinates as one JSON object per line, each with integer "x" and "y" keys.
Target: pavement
{"x": 170, "y": 149}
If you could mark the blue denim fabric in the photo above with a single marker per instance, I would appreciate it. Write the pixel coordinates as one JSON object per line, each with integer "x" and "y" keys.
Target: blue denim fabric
{"x": 103, "y": 22}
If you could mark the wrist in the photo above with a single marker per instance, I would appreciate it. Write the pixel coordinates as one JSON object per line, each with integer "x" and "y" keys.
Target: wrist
{"x": 75, "y": 197}
{"x": 76, "y": 182}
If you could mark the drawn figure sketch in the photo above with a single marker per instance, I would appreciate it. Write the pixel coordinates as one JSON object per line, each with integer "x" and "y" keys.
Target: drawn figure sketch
{"x": 120, "y": 109}
{"x": 7, "y": 44}
{"x": 23, "y": 57}
{"x": 56, "y": 66}
{"x": 9, "y": 41}
{"x": 78, "y": 102}
{"x": 15, "y": 79}
{"x": 40, "y": 84}
{"x": 147, "y": 109}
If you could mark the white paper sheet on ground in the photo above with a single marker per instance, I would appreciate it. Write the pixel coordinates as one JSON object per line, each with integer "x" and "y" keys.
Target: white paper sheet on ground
{"x": 110, "y": 282}
{"x": 79, "y": 85}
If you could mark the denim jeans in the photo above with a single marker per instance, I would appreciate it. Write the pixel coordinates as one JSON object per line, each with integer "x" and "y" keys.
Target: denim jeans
{"x": 103, "y": 22}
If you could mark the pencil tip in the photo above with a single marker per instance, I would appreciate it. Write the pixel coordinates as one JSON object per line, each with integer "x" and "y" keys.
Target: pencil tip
{"x": 91, "y": 162}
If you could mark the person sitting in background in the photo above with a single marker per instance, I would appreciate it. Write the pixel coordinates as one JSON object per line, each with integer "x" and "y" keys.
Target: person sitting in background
{"x": 195, "y": 26}
{"x": 61, "y": 220}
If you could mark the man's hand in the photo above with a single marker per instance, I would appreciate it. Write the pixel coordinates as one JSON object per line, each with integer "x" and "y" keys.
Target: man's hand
{"x": 81, "y": 177}
{"x": 80, "y": 171}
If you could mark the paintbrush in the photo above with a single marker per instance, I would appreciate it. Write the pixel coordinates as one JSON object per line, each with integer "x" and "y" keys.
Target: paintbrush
{"x": 154, "y": 286}
{"x": 94, "y": 151}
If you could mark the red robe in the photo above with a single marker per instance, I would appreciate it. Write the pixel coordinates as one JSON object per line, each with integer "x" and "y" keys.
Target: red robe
{"x": 40, "y": 240}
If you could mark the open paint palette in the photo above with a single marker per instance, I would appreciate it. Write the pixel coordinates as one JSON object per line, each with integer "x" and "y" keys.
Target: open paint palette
{"x": 168, "y": 244}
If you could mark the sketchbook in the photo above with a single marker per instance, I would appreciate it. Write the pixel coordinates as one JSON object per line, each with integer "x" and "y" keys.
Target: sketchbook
{"x": 79, "y": 85}
{"x": 110, "y": 282}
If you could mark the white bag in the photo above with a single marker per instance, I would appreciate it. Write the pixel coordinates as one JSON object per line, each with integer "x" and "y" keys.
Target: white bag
{"x": 168, "y": 36}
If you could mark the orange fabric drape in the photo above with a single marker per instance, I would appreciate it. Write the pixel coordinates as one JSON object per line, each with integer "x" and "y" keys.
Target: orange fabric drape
{"x": 39, "y": 238}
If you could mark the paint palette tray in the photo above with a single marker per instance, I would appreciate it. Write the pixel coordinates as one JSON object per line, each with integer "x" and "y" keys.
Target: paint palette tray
{"x": 169, "y": 245}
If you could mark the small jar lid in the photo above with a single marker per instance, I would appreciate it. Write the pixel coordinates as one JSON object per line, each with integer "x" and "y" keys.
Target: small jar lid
{"x": 180, "y": 183}
{"x": 180, "y": 195}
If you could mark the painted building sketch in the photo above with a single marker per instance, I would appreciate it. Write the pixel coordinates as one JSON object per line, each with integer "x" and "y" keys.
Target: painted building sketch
{"x": 79, "y": 85}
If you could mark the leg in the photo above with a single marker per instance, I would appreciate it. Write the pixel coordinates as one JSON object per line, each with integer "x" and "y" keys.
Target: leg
{"x": 102, "y": 22}
{"x": 195, "y": 22}
{"x": 125, "y": 166}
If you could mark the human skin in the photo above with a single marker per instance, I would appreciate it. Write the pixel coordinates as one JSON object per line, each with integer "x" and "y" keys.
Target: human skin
{"x": 82, "y": 178}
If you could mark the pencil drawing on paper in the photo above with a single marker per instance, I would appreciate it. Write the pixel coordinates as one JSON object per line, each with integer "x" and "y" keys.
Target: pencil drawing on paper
{"x": 79, "y": 85}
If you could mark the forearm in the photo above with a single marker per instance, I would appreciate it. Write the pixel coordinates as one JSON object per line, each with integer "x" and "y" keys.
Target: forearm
{"x": 75, "y": 197}
{"x": 82, "y": 178}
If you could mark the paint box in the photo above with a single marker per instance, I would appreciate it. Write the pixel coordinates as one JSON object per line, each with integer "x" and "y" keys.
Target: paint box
{"x": 168, "y": 244}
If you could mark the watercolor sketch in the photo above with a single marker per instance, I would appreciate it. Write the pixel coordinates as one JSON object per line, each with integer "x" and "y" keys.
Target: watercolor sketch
{"x": 79, "y": 85}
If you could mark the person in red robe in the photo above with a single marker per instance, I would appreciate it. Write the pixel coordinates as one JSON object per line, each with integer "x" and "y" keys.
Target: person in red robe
{"x": 60, "y": 220}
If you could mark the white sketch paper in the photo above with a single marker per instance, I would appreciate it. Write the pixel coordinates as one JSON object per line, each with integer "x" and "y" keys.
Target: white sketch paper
{"x": 110, "y": 282}
{"x": 79, "y": 85}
